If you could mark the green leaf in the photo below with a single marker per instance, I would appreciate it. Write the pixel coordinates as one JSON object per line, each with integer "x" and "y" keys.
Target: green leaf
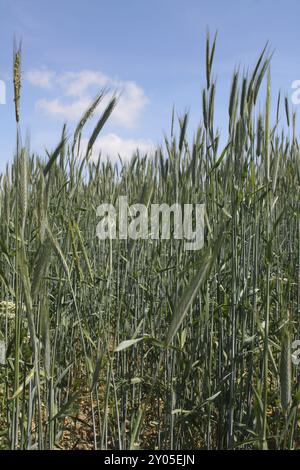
{"x": 127, "y": 344}
{"x": 192, "y": 290}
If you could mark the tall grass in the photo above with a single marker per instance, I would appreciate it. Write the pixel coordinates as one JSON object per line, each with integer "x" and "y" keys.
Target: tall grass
{"x": 141, "y": 344}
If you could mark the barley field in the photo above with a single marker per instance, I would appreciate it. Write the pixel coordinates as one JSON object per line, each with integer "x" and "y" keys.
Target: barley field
{"x": 141, "y": 344}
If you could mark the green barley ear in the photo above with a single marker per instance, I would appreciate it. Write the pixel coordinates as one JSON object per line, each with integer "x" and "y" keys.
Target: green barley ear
{"x": 243, "y": 104}
{"x": 41, "y": 206}
{"x": 233, "y": 101}
{"x": 267, "y": 128}
{"x": 287, "y": 110}
{"x": 285, "y": 370}
{"x": 210, "y": 52}
{"x": 23, "y": 187}
{"x": 207, "y": 60}
{"x": 278, "y": 107}
{"x": 103, "y": 118}
{"x": 86, "y": 116}
{"x": 17, "y": 80}
{"x": 259, "y": 67}
{"x": 260, "y": 135}
{"x": 204, "y": 109}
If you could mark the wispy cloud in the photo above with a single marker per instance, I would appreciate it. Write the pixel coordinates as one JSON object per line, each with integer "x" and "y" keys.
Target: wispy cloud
{"x": 75, "y": 91}
{"x": 64, "y": 111}
{"x": 41, "y": 78}
{"x": 78, "y": 83}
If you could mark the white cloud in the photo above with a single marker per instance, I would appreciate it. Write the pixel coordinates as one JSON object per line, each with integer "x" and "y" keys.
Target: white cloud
{"x": 111, "y": 145}
{"x": 73, "y": 92}
{"x": 77, "y": 83}
{"x": 76, "y": 90}
{"x": 41, "y": 78}
{"x": 65, "y": 111}
{"x": 131, "y": 103}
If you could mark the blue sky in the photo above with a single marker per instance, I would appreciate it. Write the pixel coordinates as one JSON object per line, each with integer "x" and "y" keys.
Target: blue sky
{"x": 152, "y": 50}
